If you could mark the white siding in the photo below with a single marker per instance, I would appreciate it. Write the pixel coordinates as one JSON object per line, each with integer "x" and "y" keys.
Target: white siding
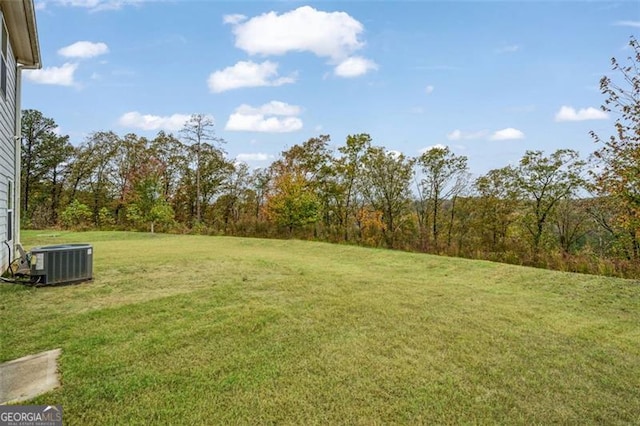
{"x": 7, "y": 152}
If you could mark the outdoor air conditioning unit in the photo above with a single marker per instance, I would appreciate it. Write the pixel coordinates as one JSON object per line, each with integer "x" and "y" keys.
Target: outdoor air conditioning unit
{"x": 61, "y": 264}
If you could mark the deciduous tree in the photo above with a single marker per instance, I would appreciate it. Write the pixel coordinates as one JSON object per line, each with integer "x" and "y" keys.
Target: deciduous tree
{"x": 619, "y": 155}
{"x": 444, "y": 176}
{"x": 496, "y": 207}
{"x": 36, "y": 130}
{"x": 54, "y": 154}
{"x": 291, "y": 204}
{"x": 543, "y": 182}
{"x": 385, "y": 185}
{"x": 95, "y": 170}
{"x": 348, "y": 169}
{"x": 197, "y": 132}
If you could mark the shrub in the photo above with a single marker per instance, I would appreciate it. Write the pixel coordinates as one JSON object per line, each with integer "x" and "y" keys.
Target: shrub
{"x": 76, "y": 216}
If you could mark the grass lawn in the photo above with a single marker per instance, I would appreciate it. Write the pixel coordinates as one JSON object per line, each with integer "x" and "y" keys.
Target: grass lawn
{"x": 209, "y": 330}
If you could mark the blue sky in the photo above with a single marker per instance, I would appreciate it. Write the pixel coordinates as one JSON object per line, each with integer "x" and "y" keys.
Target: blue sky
{"x": 488, "y": 79}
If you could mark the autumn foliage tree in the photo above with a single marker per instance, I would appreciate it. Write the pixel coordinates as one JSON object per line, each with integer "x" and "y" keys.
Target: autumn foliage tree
{"x": 348, "y": 170}
{"x": 619, "y": 155}
{"x": 298, "y": 189}
{"x": 385, "y": 185}
{"x": 292, "y": 204}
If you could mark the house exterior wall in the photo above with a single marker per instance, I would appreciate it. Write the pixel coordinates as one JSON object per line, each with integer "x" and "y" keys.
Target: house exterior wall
{"x": 7, "y": 157}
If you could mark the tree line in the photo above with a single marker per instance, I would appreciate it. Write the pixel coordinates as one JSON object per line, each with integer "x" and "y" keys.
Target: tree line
{"x": 554, "y": 210}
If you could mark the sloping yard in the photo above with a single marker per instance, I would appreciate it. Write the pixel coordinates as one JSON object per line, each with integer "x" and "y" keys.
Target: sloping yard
{"x": 208, "y": 330}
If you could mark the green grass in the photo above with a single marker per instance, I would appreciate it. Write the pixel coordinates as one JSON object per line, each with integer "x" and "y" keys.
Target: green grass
{"x": 209, "y": 330}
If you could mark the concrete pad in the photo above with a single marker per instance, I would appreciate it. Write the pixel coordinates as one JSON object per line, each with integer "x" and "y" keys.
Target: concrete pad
{"x": 27, "y": 377}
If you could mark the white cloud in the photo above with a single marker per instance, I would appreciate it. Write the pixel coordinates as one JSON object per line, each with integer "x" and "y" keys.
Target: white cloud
{"x": 254, "y": 157}
{"x": 332, "y": 35}
{"x": 500, "y": 135}
{"x": 84, "y": 49}
{"x": 153, "y": 122}
{"x": 458, "y": 135}
{"x": 78, "y": 3}
{"x": 355, "y": 67}
{"x": 512, "y": 48}
{"x": 634, "y": 24}
{"x": 567, "y": 113}
{"x": 507, "y": 134}
{"x": 274, "y": 117}
{"x": 429, "y": 148}
{"x": 93, "y": 5}
{"x": 247, "y": 74}
{"x": 61, "y": 76}
{"x": 429, "y": 89}
{"x": 233, "y": 19}
{"x": 259, "y": 123}
{"x": 272, "y": 108}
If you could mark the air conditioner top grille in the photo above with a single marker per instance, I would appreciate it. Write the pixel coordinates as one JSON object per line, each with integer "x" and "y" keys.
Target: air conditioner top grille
{"x": 61, "y": 247}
